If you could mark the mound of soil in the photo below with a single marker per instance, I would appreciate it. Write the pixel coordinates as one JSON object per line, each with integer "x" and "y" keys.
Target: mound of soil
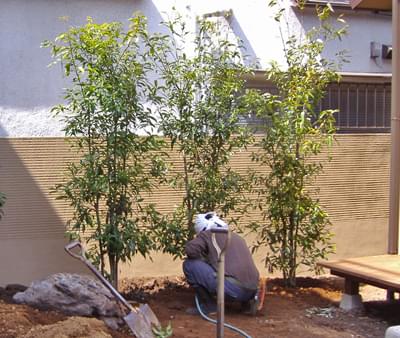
{"x": 71, "y": 327}
{"x": 311, "y": 310}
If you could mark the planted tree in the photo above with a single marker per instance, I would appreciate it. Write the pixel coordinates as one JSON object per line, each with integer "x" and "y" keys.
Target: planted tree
{"x": 295, "y": 227}
{"x": 203, "y": 100}
{"x": 106, "y": 116}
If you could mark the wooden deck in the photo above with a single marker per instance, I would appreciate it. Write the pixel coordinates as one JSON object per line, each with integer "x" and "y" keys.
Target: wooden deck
{"x": 382, "y": 271}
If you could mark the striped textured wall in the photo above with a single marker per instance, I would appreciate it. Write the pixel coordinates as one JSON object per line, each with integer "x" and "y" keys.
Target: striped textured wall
{"x": 354, "y": 189}
{"x": 354, "y": 184}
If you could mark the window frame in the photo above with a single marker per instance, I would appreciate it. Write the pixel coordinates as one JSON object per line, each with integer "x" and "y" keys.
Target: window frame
{"x": 383, "y": 80}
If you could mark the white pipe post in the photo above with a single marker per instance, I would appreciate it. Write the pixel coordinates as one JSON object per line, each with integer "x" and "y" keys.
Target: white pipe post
{"x": 393, "y": 240}
{"x": 221, "y": 295}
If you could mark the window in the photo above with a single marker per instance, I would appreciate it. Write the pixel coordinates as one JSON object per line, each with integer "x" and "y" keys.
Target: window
{"x": 363, "y": 101}
{"x": 363, "y": 106}
{"x": 338, "y": 3}
{"x": 261, "y": 84}
{"x": 383, "y": 5}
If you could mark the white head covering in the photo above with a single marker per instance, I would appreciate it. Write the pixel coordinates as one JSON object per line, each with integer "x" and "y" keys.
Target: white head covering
{"x": 208, "y": 221}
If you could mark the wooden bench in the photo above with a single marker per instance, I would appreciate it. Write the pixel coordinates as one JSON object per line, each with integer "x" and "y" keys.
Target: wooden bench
{"x": 381, "y": 271}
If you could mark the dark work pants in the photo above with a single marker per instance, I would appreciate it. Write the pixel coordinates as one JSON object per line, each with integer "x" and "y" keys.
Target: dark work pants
{"x": 199, "y": 273}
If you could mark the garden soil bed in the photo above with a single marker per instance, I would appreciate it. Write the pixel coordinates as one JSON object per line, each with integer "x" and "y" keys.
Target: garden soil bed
{"x": 311, "y": 310}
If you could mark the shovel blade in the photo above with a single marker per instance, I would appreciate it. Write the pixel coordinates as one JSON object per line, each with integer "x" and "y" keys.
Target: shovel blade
{"x": 138, "y": 324}
{"x": 142, "y": 322}
{"x": 149, "y": 314}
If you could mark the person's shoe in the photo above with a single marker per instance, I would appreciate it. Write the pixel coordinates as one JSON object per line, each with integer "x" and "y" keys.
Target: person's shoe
{"x": 206, "y": 303}
{"x": 257, "y": 302}
{"x": 251, "y": 306}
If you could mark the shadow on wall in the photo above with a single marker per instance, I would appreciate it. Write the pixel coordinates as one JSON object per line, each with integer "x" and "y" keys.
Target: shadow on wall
{"x": 248, "y": 52}
{"x": 3, "y": 133}
{"x": 32, "y": 230}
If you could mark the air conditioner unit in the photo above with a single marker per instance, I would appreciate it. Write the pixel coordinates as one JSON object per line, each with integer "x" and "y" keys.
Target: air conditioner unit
{"x": 387, "y": 51}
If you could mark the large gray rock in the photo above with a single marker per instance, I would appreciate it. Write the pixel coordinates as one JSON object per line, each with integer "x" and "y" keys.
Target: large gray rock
{"x": 72, "y": 294}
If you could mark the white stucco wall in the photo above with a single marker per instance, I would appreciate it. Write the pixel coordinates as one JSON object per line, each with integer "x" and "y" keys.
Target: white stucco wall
{"x": 364, "y": 27}
{"x": 29, "y": 88}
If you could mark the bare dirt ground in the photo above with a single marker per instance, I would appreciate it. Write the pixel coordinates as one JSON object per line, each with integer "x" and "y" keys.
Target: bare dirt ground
{"x": 311, "y": 310}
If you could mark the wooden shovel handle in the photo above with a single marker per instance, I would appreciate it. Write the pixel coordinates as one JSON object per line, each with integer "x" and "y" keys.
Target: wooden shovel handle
{"x": 73, "y": 245}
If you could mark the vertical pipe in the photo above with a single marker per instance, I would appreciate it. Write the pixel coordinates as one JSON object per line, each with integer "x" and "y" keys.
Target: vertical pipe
{"x": 393, "y": 240}
{"x": 338, "y": 107}
{"x": 221, "y": 295}
{"x": 375, "y": 107}
{"x": 348, "y": 107}
{"x": 366, "y": 106}
{"x": 384, "y": 107}
{"x": 357, "y": 108}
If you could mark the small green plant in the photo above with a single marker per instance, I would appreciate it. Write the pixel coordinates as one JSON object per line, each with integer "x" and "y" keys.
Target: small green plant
{"x": 202, "y": 103}
{"x": 295, "y": 227}
{"x": 163, "y": 332}
{"x": 107, "y": 117}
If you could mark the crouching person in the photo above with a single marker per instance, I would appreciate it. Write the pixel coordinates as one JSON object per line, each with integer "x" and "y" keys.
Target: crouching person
{"x": 200, "y": 267}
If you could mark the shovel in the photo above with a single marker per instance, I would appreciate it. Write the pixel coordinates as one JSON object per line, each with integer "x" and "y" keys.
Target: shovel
{"x": 140, "y": 320}
{"x": 220, "y": 278}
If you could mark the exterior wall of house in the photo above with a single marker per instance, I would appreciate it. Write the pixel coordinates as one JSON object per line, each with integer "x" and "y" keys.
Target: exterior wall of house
{"x": 29, "y": 88}
{"x": 364, "y": 27}
{"x": 354, "y": 190}
{"x": 33, "y": 153}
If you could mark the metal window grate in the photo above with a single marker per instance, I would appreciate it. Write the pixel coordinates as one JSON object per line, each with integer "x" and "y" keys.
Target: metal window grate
{"x": 251, "y": 120}
{"x": 363, "y": 107}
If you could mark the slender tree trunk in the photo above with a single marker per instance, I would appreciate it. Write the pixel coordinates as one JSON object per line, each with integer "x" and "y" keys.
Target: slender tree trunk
{"x": 293, "y": 231}
{"x": 292, "y": 248}
{"x": 292, "y": 277}
{"x": 99, "y": 230}
{"x": 189, "y": 207}
{"x": 113, "y": 271}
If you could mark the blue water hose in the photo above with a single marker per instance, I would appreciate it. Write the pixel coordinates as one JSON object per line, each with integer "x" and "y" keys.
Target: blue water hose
{"x": 229, "y": 326}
